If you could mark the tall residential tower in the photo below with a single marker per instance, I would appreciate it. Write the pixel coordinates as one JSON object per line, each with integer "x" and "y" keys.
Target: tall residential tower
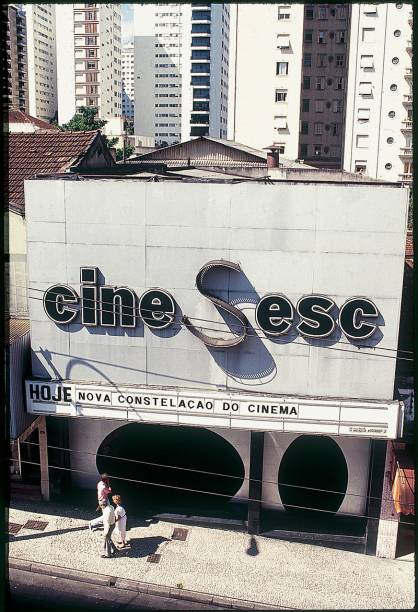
{"x": 42, "y": 61}
{"x": 15, "y": 90}
{"x": 89, "y": 47}
{"x": 181, "y": 70}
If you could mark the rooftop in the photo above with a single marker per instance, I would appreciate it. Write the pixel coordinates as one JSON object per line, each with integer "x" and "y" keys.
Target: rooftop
{"x": 18, "y": 116}
{"x": 30, "y": 154}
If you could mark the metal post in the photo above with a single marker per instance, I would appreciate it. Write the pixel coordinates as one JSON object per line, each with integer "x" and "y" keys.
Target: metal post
{"x": 43, "y": 458}
{"x": 377, "y": 468}
{"x": 255, "y": 486}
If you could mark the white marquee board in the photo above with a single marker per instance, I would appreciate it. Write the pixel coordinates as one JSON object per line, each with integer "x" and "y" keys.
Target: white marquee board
{"x": 216, "y": 409}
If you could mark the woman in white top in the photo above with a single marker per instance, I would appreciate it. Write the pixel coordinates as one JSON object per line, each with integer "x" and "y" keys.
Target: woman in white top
{"x": 120, "y": 516}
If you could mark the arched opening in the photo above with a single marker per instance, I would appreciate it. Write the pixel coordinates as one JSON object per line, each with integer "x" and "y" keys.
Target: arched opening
{"x": 313, "y": 476}
{"x": 166, "y": 448}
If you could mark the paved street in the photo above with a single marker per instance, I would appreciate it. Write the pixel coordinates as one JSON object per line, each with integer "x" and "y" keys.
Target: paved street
{"x": 29, "y": 591}
{"x": 222, "y": 562}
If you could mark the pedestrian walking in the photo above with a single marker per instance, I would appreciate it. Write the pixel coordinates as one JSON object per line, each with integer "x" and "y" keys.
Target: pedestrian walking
{"x": 120, "y": 518}
{"x": 109, "y": 525}
{"x": 103, "y": 491}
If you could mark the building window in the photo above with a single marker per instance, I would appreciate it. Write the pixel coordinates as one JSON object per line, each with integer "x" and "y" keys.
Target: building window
{"x": 368, "y": 35}
{"x": 369, "y": 9}
{"x": 283, "y": 41}
{"x": 283, "y": 12}
{"x": 281, "y": 147}
{"x": 201, "y": 28}
{"x": 320, "y": 83}
{"x": 319, "y": 106}
{"x": 317, "y": 150}
{"x": 281, "y": 95}
{"x": 307, "y": 60}
{"x": 305, "y": 105}
{"x": 322, "y": 37}
{"x": 395, "y": 60}
{"x": 340, "y": 36}
{"x": 337, "y": 106}
{"x": 306, "y": 82}
{"x": 339, "y": 61}
{"x": 318, "y": 129}
{"x": 339, "y": 83}
{"x": 390, "y": 140}
{"x": 367, "y": 62}
{"x": 322, "y": 60}
{"x": 322, "y": 12}
{"x": 362, "y": 141}
{"x": 397, "y": 33}
{"x": 91, "y": 52}
{"x": 309, "y": 12}
{"x": 307, "y": 36}
{"x": 282, "y": 68}
{"x": 303, "y": 151}
{"x": 365, "y": 88}
{"x": 391, "y": 114}
{"x": 363, "y": 114}
{"x": 91, "y": 65}
{"x": 336, "y": 129}
{"x": 304, "y": 127}
{"x": 280, "y": 123}
{"x": 388, "y": 166}
{"x": 91, "y": 40}
{"x": 341, "y": 14}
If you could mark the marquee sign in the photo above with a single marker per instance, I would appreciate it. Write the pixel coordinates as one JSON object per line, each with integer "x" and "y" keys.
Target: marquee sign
{"x": 369, "y": 419}
{"x": 275, "y": 314}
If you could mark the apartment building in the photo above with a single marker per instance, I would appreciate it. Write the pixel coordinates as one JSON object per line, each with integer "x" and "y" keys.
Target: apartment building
{"x": 378, "y": 135}
{"x": 89, "y": 50}
{"x": 181, "y": 70}
{"x": 15, "y": 77}
{"x": 324, "y": 80}
{"x": 266, "y": 77}
{"x": 42, "y": 61}
{"x": 128, "y": 82}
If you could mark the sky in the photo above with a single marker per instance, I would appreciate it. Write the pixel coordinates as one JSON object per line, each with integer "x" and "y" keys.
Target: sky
{"x": 127, "y": 23}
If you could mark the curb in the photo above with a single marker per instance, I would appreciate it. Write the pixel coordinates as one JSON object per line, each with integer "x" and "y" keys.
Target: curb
{"x": 139, "y": 587}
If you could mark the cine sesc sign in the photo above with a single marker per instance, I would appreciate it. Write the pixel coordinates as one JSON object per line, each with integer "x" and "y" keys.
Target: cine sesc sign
{"x": 109, "y": 306}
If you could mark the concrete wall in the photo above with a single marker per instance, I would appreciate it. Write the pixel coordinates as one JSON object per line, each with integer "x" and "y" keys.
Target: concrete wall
{"x": 293, "y": 238}
{"x": 15, "y": 247}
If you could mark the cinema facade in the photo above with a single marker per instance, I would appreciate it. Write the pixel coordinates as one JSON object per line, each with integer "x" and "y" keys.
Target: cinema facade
{"x": 243, "y": 333}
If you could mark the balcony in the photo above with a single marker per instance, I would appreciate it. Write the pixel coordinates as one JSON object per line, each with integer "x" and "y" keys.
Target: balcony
{"x": 406, "y": 152}
{"x": 406, "y": 178}
{"x": 407, "y": 99}
{"x": 408, "y": 73}
{"x": 406, "y": 125}
{"x": 409, "y": 46}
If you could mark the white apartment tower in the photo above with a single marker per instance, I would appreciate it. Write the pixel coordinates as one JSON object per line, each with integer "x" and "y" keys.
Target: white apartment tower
{"x": 42, "y": 60}
{"x": 266, "y": 91}
{"x": 89, "y": 49}
{"x": 181, "y": 70}
{"x": 128, "y": 81}
{"x": 378, "y": 137}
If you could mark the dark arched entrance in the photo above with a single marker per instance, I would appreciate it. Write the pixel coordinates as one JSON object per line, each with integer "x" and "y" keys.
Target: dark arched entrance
{"x": 314, "y": 462}
{"x": 179, "y": 447}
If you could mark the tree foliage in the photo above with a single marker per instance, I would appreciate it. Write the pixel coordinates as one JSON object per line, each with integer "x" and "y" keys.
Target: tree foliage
{"x": 85, "y": 120}
{"x": 129, "y": 149}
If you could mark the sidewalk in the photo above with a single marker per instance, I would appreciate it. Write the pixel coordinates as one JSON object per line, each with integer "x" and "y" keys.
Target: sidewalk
{"x": 222, "y": 562}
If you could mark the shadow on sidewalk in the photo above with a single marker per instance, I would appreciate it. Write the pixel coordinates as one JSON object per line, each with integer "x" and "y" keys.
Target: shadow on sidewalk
{"x": 45, "y": 534}
{"x": 142, "y": 547}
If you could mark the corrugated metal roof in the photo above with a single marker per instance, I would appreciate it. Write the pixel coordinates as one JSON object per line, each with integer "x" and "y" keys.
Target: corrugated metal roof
{"x": 15, "y": 329}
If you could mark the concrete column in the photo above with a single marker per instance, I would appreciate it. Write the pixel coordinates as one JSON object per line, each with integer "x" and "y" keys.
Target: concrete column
{"x": 255, "y": 488}
{"x": 43, "y": 458}
{"x": 377, "y": 467}
{"x": 387, "y": 535}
